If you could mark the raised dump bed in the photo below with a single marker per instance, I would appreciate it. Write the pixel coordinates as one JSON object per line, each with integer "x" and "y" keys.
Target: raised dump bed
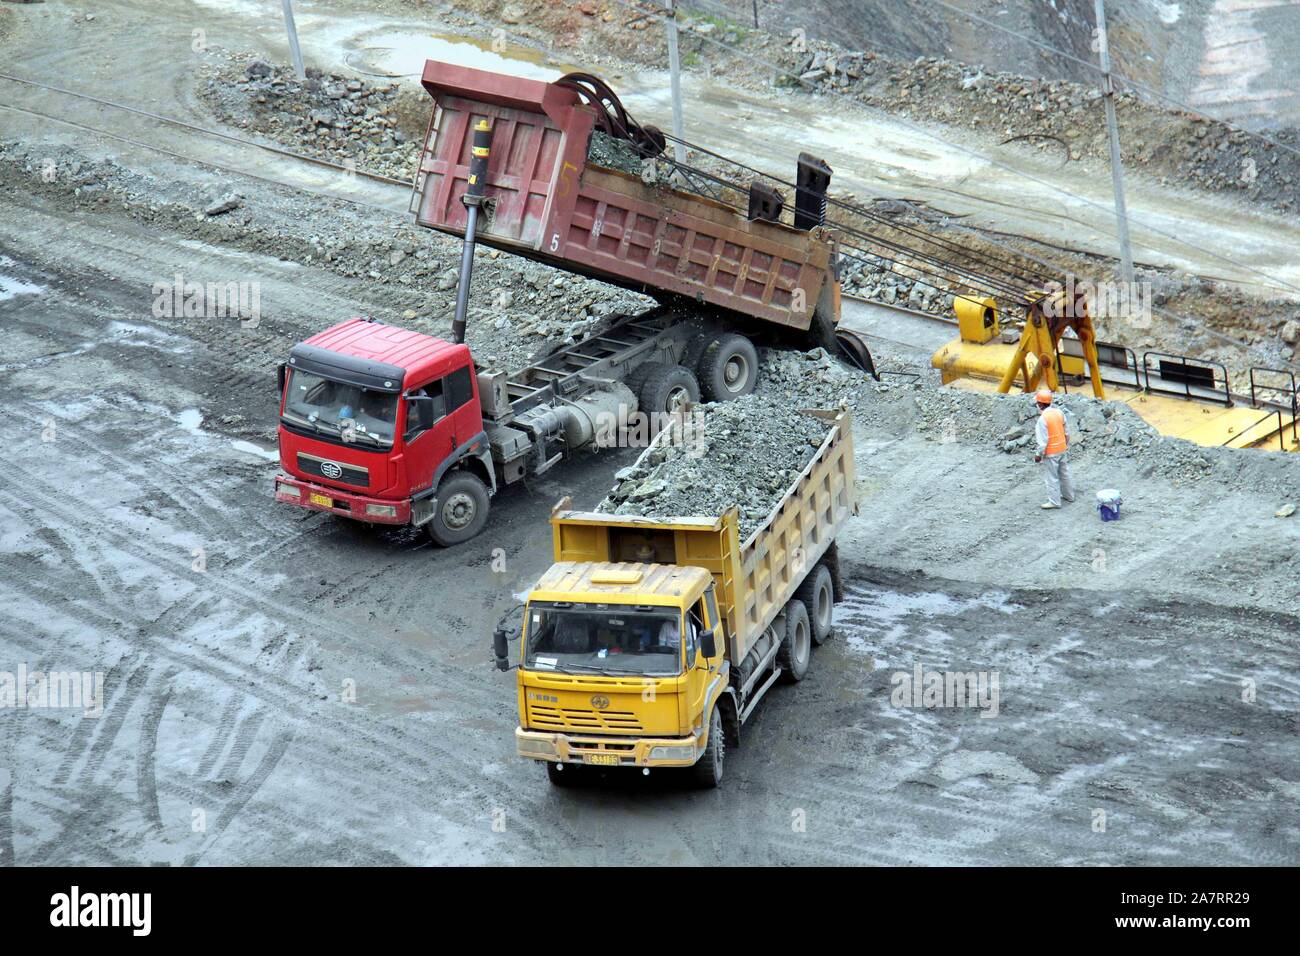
{"x": 548, "y": 202}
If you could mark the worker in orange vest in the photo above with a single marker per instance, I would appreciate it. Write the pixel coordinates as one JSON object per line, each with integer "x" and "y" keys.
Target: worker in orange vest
{"x": 1053, "y": 437}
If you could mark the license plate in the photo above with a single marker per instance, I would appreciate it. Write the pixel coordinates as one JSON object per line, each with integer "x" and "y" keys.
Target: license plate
{"x": 605, "y": 760}
{"x": 323, "y": 500}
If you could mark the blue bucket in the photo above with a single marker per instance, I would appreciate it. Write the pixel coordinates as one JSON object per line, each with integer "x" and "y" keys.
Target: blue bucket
{"x": 1108, "y": 504}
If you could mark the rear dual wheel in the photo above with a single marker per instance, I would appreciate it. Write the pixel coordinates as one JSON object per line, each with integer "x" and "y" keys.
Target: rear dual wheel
{"x": 727, "y": 368}
{"x": 664, "y": 389}
{"x": 818, "y": 596}
{"x": 795, "y": 652}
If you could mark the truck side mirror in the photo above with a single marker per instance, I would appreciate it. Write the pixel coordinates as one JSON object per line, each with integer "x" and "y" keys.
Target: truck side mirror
{"x": 509, "y": 627}
{"x": 500, "y": 649}
{"x": 709, "y": 643}
{"x": 281, "y": 372}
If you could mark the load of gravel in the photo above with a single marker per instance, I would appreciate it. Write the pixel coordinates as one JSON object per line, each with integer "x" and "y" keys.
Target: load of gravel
{"x": 746, "y": 453}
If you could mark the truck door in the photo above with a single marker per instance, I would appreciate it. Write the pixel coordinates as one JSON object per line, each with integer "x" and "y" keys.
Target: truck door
{"x": 697, "y": 671}
{"x": 436, "y": 428}
{"x": 428, "y": 434}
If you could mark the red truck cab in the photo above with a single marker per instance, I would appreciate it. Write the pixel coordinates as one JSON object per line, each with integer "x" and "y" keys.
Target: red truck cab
{"x": 383, "y": 425}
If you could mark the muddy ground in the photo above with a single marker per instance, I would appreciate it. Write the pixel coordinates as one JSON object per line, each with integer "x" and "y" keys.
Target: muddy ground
{"x": 285, "y": 688}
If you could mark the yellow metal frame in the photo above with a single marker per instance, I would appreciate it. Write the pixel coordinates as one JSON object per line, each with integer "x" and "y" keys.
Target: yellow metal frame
{"x": 1049, "y": 316}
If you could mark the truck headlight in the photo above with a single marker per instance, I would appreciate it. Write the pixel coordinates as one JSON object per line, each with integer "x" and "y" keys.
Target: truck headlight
{"x": 542, "y": 748}
{"x": 292, "y": 490}
{"x": 673, "y": 753}
{"x": 382, "y": 511}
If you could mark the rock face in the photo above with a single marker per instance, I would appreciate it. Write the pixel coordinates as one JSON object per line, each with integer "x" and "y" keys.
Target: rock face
{"x": 745, "y": 453}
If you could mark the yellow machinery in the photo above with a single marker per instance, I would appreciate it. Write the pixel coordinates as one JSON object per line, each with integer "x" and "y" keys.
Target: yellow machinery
{"x": 650, "y": 642}
{"x": 1176, "y": 395}
{"x": 979, "y": 352}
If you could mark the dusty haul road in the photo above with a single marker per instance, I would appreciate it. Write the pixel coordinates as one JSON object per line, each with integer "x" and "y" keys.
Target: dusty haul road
{"x": 143, "y": 543}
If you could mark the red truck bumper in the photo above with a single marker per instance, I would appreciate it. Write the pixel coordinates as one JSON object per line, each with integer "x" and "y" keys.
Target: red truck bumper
{"x": 306, "y": 494}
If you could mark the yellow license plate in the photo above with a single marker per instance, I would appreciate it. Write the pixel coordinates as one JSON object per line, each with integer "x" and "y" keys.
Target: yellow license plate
{"x": 605, "y": 760}
{"x": 322, "y": 500}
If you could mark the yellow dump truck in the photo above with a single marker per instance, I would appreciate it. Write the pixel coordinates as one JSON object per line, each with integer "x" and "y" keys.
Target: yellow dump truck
{"x": 650, "y": 642}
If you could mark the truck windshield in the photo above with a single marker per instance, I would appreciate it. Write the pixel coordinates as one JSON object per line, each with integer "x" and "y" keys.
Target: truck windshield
{"x": 338, "y": 410}
{"x": 604, "y": 639}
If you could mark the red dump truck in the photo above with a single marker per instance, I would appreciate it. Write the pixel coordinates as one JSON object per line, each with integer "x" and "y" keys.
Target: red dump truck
{"x": 389, "y": 426}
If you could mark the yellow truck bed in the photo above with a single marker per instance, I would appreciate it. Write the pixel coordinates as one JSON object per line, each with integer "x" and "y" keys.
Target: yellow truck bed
{"x": 755, "y": 578}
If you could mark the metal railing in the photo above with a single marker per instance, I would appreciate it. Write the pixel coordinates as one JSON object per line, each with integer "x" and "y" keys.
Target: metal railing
{"x": 1289, "y": 400}
{"x": 1193, "y": 374}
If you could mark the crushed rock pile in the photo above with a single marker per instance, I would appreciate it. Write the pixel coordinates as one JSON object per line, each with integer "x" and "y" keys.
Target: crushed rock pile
{"x": 519, "y": 309}
{"x": 327, "y": 115}
{"x": 812, "y": 379}
{"x": 746, "y": 453}
{"x": 873, "y": 279}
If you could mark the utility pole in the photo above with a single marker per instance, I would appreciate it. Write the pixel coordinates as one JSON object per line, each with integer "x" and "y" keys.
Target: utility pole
{"x": 1116, "y": 168}
{"x": 674, "y": 69}
{"x": 292, "y": 30}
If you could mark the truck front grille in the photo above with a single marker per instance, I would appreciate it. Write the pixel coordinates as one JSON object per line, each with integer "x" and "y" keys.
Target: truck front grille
{"x": 333, "y": 471}
{"x": 568, "y": 718}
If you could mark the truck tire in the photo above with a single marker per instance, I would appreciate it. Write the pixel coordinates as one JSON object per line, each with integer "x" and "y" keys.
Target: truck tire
{"x": 462, "y": 509}
{"x": 796, "y": 649}
{"x": 818, "y": 595}
{"x": 666, "y": 387}
{"x": 568, "y": 777}
{"x": 695, "y": 347}
{"x": 707, "y": 771}
{"x": 728, "y": 368}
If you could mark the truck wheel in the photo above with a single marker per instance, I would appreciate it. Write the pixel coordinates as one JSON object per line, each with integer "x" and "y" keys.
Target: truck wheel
{"x": 666, "y": 388}
{"x": 796, "y": 650}
{"x": 568, "y": 777}
{"x": 695, "y": 347}
{"x": 707, "y": 772}
{"x": 462, "y": 509}
{"x": 818, "y": 596}
{"x": 728, "y": 368}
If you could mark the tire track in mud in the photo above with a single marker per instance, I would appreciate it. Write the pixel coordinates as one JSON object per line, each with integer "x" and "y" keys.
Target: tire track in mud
{"x": 494, "y": 793}
{"x": 464, "y": 684}
{"x": 8, "y": 779}
{"x": 401, "y": 775}
{"x": 215, "y": 522}
{"x": 243, "y": 793}
{"x": 83, "y": 739}
{"x": 146, "y": 780}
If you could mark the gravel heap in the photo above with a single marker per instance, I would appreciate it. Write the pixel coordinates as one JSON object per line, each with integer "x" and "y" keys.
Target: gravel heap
{"x": 605, "y": 150}
{"x": 872, "y": 279}
{"x": 327, "y": 115}
{"x": 745, "y": 453}
{"x": 518, "y": 309}
{"x": 1059, "y": 117}
{"x": 810, "y": 379}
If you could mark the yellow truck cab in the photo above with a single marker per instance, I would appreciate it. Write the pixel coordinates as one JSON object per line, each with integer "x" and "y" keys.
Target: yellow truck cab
{"x": 619, "y": 664}
{"x": 650, "y": 641}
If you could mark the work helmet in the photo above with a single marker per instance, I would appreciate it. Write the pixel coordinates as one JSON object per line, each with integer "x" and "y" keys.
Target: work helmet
{"x": 1044, "y": 396}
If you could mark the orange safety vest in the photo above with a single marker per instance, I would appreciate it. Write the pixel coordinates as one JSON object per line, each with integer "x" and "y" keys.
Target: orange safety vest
{"x": 1055, "y": 420}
